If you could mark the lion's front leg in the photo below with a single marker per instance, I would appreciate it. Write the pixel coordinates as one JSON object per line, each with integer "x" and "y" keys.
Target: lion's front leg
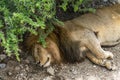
{"x": 93, "y": 44}
{"x": 102, "y": 62}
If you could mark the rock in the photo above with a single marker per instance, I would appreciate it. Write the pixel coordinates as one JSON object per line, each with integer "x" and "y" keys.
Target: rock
{"x": 94, "y": 66}
{"x": 17, "y": 68}
{"x": 51, "y": 71}
{"x": 1, "y": 78}
{"x": 68, "y": 79}
{"x": 26, "y": 67}
{"x": 119, "y": 1}
{"x": 75, "y": 72}
{"x": 2, "y": 57}
{"x": 105, "y": 0}
{"x": 21, "y": 66}
{"x": 113, "y": 1}
{"x": 29, "y": 59}
{"x": 21, "y": 76}
{"x": 2, "y": 65}
{"x": 92, "y": 78}
{"x": 9, "y": 73}
{"x": 48, "y": 78}
{"x": 31, "y": 79}
{"x": 79, "y": 78}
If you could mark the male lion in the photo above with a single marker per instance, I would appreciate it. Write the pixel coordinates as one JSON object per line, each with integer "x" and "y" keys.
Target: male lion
{"x": 86, "y": 33}
{"x": 60, "y": 48}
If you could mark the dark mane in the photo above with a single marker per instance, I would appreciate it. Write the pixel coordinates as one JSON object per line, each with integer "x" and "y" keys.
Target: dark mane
{"x": 69, "y": 49}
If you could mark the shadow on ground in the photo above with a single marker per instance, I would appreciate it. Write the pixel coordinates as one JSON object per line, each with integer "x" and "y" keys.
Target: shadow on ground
{"x": 27, "y": 70}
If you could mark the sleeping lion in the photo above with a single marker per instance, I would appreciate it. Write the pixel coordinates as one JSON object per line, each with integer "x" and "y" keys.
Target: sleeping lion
{"x": 86, "y": 34}
{"x": 60, "y": 48}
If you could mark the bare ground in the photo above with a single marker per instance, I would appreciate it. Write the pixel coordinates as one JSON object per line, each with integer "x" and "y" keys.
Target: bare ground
{"x": 28, "y": 70}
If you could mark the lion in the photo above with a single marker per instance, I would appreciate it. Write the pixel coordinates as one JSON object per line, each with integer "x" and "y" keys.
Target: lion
{"x": 59, "y": 48}
{"x": 85, "y": 34}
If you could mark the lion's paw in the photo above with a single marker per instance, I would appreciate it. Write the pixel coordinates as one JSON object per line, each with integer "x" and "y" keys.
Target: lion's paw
{"x": 109, "y": 65}
{"x": 108, "y": 55}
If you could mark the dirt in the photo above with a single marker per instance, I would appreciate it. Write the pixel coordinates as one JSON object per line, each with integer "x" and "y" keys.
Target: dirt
{"x": 28, "y": 70}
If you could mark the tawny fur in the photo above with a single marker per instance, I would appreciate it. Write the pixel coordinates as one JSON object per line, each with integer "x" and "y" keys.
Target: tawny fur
{"x": 94, "y": 30}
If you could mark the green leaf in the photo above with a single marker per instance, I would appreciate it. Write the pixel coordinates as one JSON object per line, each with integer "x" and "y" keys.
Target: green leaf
{"x": 76, "y": 8}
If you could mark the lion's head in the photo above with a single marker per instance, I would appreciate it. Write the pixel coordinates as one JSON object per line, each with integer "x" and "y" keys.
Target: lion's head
{"x": 60, "y": 48}
{"x": 46, "y": 56}
{"x": 41, "y": 55}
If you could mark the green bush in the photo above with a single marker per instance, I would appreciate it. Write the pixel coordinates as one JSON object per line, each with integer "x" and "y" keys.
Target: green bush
{"x": 20, "y": 16}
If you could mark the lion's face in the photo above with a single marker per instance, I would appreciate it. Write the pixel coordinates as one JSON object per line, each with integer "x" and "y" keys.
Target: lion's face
{"x": 41, "y": 55}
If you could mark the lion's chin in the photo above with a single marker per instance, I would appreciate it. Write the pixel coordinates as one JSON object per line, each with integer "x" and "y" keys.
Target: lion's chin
{"x": 46, "y": 64}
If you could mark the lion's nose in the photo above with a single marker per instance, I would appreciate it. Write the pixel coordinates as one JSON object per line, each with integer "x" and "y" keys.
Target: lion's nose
{"x": 39, "y": 63}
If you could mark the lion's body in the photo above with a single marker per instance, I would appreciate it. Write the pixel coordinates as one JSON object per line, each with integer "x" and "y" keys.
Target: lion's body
{"x": 105, "y": 22}
{"x": 95, "y": 30}
{"x": 89, "y": 32}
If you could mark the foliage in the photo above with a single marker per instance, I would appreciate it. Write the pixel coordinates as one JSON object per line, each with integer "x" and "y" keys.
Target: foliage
{"x": 19, "y": 16}
{"x": 76, "y": 5}
{"x": 34, "y": 16}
